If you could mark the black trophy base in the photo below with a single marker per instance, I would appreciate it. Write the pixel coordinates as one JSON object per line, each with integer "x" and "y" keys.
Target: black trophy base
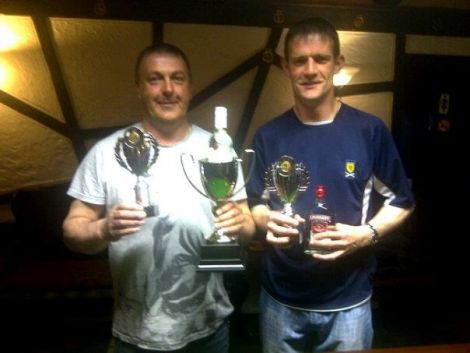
{"x": 221, "y": 257}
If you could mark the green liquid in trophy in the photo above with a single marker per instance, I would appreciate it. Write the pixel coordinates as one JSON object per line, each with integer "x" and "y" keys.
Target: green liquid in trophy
{"x": 288, "y": 196}
{"x": 219, "y": 178}
{"x": 219, "y": 188}
{"x": 287, "y": 187}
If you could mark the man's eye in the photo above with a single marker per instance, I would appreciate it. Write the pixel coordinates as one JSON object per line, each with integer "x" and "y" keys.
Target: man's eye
{"x": 322, "y": 59}
{"x": 179, "y": 79}
{"x": 154, "y": 79}
{"x": 299, "y": 61}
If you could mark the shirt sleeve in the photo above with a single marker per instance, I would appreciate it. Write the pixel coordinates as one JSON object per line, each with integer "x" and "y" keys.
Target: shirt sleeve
{"x": 390, "y": 179}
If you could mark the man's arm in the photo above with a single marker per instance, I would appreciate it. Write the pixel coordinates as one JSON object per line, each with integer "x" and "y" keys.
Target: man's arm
{"x": 87, "y": 230}
{"x": 387, "y": 219}
{"x": 343, "y": 238}
{"x": 261, "y": 217}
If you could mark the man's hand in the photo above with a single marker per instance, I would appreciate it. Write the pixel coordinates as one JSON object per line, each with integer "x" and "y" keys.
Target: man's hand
{"x": 123, "y": 219}
{"x": 339, "y": 240}
{"x": 282, "y": 230}
{"x": 234, "y": 219}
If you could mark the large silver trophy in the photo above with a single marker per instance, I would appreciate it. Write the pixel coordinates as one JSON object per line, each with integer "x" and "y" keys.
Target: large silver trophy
{"x": 287, "y": 180}
{"x": 218, "y": 173}
{"x": 137, "y": 151}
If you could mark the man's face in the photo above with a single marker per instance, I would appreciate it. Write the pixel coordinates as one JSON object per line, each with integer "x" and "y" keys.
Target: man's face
{"x": 164, "y": 86}
{"x": 311, "y": 66}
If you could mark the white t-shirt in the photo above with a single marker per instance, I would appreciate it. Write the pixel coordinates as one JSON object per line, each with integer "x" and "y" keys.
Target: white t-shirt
{"x": 161, "y": 302}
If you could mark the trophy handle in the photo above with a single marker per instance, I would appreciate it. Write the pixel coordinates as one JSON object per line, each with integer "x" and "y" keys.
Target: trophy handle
{"x": 182, "y": 157}
{"x": 251, "y": 152}
{"x": 303, "y": 177}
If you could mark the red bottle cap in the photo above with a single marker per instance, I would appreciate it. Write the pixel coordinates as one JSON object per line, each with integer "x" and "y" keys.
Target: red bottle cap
{"x": 320, "y": 192}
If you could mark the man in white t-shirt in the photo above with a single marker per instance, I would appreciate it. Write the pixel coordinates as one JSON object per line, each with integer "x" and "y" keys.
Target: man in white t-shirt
{"x": 161, "y": 302}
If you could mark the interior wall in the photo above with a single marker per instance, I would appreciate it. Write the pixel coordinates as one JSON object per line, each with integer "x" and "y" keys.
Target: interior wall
{"x": 96, "y": 60}
{"x": 67, "y": 81}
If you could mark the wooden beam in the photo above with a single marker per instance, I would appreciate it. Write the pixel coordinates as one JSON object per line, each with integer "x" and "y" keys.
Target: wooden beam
{"x": 267, "y": 56}
{"x": 225, "y": 80}
{"x": 44, "y": 30}
{"x": 346, "y": 15}
{"x": 35, "y": 114}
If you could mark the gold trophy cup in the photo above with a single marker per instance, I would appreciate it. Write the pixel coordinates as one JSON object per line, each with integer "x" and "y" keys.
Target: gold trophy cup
{"x": 137, "y": 151}
{"x": 287, "y": 180}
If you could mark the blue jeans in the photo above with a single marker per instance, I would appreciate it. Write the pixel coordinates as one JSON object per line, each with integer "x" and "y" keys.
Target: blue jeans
{"x": 218, "y": 342}
{"x": 287, "y": 330}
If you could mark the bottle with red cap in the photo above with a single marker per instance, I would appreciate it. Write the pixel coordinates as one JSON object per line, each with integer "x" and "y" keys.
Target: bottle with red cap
{"x": 319, "y": 218}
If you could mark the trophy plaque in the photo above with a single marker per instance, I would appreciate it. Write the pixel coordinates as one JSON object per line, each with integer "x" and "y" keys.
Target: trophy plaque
{"x": 219, "y": 252}
{"x": 137, "y": 151}
{"x": 287, "y": 180}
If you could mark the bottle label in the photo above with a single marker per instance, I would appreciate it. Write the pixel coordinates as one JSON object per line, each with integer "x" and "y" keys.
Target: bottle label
{"x": 319, "y": 222}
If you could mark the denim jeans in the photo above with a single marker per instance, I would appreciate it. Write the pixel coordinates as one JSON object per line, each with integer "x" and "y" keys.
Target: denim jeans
{"x": 288, "y": 330}
{"x": 218, "y": 342}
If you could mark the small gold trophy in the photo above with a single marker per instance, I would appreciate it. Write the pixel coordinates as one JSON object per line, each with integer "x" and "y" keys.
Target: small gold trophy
{"x": 219, "y": 174}
{"x": 137, "y": 151}
{"x": 287, "y": 180}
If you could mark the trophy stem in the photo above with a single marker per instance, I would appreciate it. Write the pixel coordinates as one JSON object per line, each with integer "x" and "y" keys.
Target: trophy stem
{"x": 142, "y": 196}
{"x": 288, "y": 210}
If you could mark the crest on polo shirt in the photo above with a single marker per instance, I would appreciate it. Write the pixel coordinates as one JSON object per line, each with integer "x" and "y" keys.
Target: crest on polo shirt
{"x": 350, "y": 169}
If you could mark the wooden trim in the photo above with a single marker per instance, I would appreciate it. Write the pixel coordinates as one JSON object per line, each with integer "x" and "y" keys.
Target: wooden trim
{"x": 442, "y": 20}
{"x": 35, "y": 114}
{"x": 43, "y": 29}
{"x": 267, "y": 58}
{"x": 225, "y": 80}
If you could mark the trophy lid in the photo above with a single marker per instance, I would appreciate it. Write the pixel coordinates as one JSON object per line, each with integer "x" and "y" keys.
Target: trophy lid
{"x": 220, "y": 117}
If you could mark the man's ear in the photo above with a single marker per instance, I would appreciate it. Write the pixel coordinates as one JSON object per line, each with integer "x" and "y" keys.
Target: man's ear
{"x": 339, "y": 64}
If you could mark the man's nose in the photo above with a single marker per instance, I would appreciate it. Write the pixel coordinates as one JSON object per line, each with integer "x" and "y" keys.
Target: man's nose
{"x": 167, "y": 86}
{"x": 311, "y": 66}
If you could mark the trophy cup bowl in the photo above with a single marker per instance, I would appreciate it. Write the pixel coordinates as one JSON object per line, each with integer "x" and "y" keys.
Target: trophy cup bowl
{"x": 219, "y": 252}
{"x": 137, "y": 151}
{"x": 287, "y": 179}
{"x": 219, "y": 179}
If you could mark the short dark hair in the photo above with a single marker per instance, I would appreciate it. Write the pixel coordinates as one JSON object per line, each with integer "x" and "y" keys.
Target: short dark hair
{"x": 312, "y": 25}
{"x": 160, "y": 48}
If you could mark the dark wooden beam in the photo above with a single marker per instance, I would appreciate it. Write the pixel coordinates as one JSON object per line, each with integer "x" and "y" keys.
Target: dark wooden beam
{"x": 157, "y": 32}
{"x": 35, "y": 114}
{"x": 99, "y": 133}
{"x": 44, "y": 30}
{"x": 257, "y": 87}
{"x": 261, "y": 13}
{"x": 400, "y": 53}
{"x": 365, "y": 88}
{"x": 225, "y": 80}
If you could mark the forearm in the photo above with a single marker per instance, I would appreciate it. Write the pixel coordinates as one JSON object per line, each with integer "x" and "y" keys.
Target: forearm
{"x": 248, "y": 228}
{"x": 388, "y": 218}
{"x": 84, "y": 236}
{"x": 84, "y": 230}
{"x": 260, "y": 215}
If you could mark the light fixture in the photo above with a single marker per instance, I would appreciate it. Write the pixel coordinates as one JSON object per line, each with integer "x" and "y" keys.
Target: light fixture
{"x": 8, "y": 37}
